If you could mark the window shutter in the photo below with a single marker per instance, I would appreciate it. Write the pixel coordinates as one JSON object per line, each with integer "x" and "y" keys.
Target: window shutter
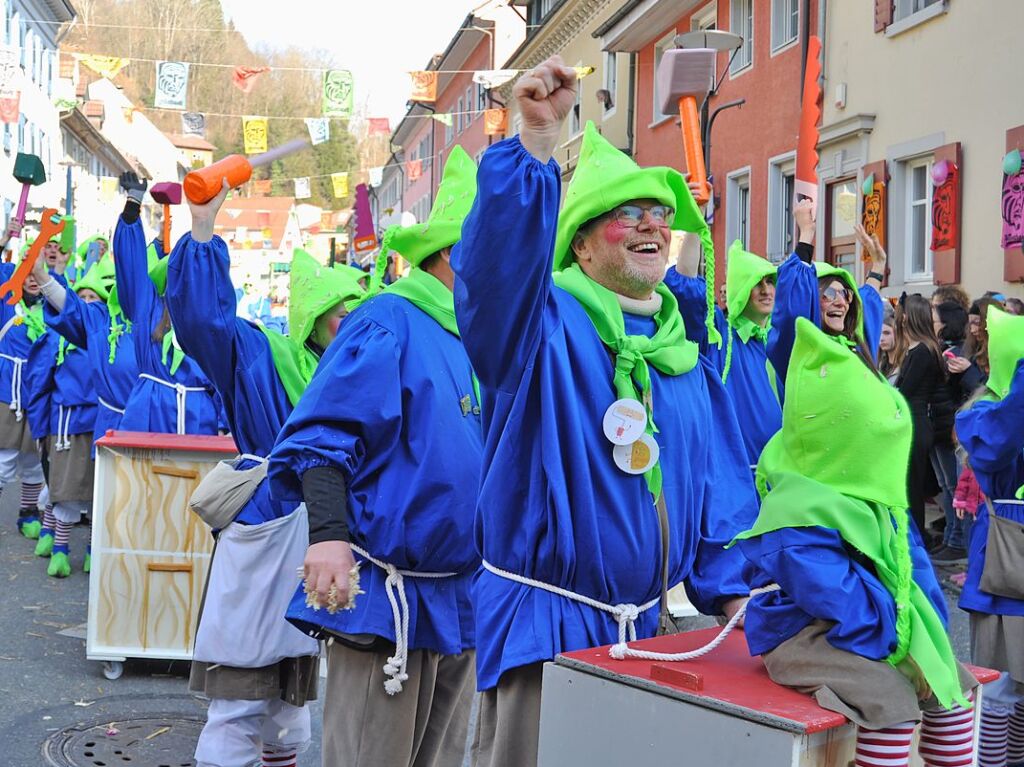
{"x": 946, "y": 206}
{"x": 875, "y": 206}
{"x": 1012, "y": 212}
{"x": 883, "y": 14}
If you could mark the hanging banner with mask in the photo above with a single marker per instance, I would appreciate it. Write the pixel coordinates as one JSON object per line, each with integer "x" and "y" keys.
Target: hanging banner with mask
{"x": 254, "y": 132}
{"x": 171, "y": 85}
{"x": 339, "y": 182}
{"x": 319, "y": 130}
{"x": 302, "y": 188}
{"x": 337, "y": 98}
{"x": 376, "y": 176}
{"x": 193, "y": 124}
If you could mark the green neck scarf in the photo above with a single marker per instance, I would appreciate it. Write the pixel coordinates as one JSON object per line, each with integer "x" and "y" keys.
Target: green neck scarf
{"x": 117, "y": 329}
{"x": 798, "y": 501}
{"x": 668, "y": 349}
{"x": 424, "y": 291}
{"x": 170, "y": 348}
{"x": 294, "y": 364}
{"x": 746, "y": 328}
{"x": 32, "y": 317}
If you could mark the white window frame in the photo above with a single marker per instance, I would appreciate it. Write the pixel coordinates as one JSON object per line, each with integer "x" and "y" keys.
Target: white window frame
{"x": 703, "y": 20}
{"x": 779, "y": 225}
{"x": 460, "y": 119}
{"x": 907, "y": 207}
{"x": 743, "y": 61}
{"x": 611, "y": 82}
{"x": 782, "y": 14}
{"x": 736, "y": 182}
{"x": 470, "y": 107}
{"x": 905, "y": 17}
{"x": 664, "y": 44}
{"x": 576, "y": 121}
{"x": 449, "y": 132}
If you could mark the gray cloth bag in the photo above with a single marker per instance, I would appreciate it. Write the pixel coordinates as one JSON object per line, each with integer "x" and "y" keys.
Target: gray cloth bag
{"x": 1004, "y": 556}
{"x": 226, "y": 489}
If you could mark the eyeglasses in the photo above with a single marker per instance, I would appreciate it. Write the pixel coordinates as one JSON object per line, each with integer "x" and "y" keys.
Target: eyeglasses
{"x": 832, "y": 295}
{"x": 632, "y": 215}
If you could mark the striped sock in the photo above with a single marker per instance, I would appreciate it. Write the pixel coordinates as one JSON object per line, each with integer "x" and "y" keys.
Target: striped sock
{"x": 947, "y": 738}
{"x": 1015, "y": 749}
{"x": 995, "y": 730}
{"x": 30, "y": 494}
{"x": 62, "y": 535}
{"x": 276, "y": 756}
{"x": 888, "y": 747}
{"x": 49, "y": 521}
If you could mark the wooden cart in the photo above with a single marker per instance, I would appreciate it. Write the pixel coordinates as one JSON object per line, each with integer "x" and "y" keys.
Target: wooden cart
{"x": 719, "y": 710}
{"x": 150, "y": 553}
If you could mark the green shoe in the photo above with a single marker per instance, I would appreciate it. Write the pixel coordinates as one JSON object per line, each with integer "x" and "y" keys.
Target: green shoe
{"x": 87, "y": 565}
{"x": 31, "y": 530}
{"x": 59, "y": 567}
{"x": 45, "y": 545}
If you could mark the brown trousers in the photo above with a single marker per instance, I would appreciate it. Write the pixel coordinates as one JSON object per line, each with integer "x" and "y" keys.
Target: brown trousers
{"x": 425, "y": 725}
{"x": 508, "y": 726}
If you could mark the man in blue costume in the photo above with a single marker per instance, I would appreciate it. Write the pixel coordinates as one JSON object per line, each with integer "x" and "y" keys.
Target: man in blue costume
{"x": 257, "y": 669}
{"x": 581, "y": 527}
{"x": 384, "y": 448}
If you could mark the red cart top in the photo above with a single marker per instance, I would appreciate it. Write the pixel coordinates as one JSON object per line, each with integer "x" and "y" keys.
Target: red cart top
{"x": 196, "y": 443}
{"x": 727, "y": 679}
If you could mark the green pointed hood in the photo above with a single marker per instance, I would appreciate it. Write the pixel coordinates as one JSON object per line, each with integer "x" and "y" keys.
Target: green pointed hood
{"x": 1005, "y": 348}
{"x": 604, "y": 178}
{"x": 837, "y": 272}
{"x": 83, "y": 250}
{"x": 745, "y": 271}
{"x": 313, "y": 289}
{"x": 158, "y": 274}
{"x": 842, "y": 425}
{"x": 443, "y": 228}
{"x": 99, "y": 279}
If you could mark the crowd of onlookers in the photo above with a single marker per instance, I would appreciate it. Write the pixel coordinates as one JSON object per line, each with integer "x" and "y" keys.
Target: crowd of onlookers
{"x": 936, "y": 353}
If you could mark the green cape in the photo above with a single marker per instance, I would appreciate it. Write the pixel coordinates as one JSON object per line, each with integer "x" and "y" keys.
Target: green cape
{"x": 1005, "y": 349}
{"x": 840, "y": 462}
{"x": 313, "y": 289}
{"x": 606, "y": 178}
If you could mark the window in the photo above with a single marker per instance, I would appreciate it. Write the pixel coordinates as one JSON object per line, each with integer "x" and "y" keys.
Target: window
{"x": 459, "y": 117}
{"x": 785, "y": 22}
{"x": 611, "y": 81}
{"x": 576, "y": 115}
{"x": 664, "y": 44}
{"x": 539, "y": 10}
{"x": 741, "y": 22}
{"x": 469, "y": 106}
{"x": 481, "y": 97}
{"x": 918, "y": 219}
{"x": 905, "y": 8}
{"x": 780, "y": 207}
{"x": 449, "y": 131}
{"x": 737, "y": 211}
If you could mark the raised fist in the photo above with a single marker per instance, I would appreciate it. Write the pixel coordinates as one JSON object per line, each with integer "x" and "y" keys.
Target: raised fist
{"x": 545, "y": 96}
{"x": 133, "y": 186}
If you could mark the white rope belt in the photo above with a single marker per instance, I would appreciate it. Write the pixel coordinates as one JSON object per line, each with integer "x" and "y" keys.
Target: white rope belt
{"x": 181, "y": 391}
{"x": 625, "y": 615}
{"x": 63, "y": 427}
{"x": 397, "y": 665}
{"x": 16, "y": 376}
{"x": 108, "y": 406}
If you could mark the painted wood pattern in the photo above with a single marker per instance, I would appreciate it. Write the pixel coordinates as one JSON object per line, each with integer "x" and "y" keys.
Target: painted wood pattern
{"x": 151, "y": 554}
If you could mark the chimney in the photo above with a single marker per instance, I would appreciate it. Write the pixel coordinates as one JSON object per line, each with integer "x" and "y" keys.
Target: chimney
{"x": 94, "y": 112}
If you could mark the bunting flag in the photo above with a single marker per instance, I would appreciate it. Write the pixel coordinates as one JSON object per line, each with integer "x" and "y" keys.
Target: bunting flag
{"x": 10, "y": 71}
{"x": 262, "y": 186}
{"x": 108, "y": 189}
{"x": 319, "y": 130}
{"x": 376, "y": 176}
{"x": 444, "y": 118}
{"x": 105, "y": 66}
{"x": 424, "y": 86}
{"x": 254, "y": 131}
{"x": 337, "y": 98}
{"x": 378, "y": 126}
{"x": 327, "y": 220}
{"x": 414, "y": 169}
{"x": 171, "y": 85}
{"x": 193, "y": 124}
{"x": 244, "y": 78}
{"x": 494, "y": 78}
{"x": 64, "y": 97}
{"x": 339, "y": 182}
{"x": 302, "y": 188}
{"x": 365, "y": 233}
{"x": 10, "y": 107}
{"x": 495, "y": 122}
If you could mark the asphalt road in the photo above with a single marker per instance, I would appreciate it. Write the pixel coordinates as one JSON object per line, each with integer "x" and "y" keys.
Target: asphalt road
{"x": 48, "y": 686}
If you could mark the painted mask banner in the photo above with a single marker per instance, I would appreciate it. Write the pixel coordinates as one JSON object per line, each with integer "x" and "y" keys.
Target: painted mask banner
{"x": 171, "y": 85}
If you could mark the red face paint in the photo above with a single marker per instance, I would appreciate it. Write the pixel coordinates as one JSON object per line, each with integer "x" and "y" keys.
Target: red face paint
{"x": 614, "y": 232}
{"x": 333, "y": 324}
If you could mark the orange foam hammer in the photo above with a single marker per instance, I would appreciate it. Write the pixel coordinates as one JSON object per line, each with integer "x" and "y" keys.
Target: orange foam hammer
{"x": 204, "y": 184}
{"x": 50, "y": 224}
{"x": 166, "y": 193}
{"x": 684, "y": 76}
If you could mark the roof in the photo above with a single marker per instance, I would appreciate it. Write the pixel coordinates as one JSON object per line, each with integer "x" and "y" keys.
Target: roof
{"x": 76, "y": 122}
{"x": 254, "y": 214}
{"x": 190, "y": 142}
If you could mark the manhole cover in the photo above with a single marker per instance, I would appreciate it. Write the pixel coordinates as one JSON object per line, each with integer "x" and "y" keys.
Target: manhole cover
{"x": 152, "y": 741}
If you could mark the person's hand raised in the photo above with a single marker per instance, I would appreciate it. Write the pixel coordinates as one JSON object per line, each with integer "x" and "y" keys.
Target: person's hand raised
{"x": 873, "y": 247}
{"x": 545, "y": 96}
{"x": 204, "y": 215}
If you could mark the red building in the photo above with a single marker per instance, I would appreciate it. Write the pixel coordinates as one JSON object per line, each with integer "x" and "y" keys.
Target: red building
{"x": 753, "y": 147}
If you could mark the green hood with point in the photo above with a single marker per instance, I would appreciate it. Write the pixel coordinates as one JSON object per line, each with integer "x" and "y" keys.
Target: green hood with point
{"x": 744, "y": 271}
{"x": 1005, "y": 349}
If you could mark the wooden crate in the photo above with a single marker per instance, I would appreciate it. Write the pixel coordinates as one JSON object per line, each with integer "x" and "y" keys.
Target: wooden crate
{"x": 150, "y": 553}
{"x": 721, "y": 709}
